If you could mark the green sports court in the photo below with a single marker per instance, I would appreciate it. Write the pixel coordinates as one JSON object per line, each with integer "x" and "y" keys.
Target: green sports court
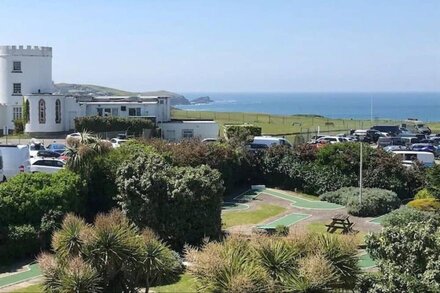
{"x": 287, "y": 221}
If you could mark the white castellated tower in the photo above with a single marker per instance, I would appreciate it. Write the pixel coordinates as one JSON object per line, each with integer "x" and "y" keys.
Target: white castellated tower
{"x": 24, "y": 70}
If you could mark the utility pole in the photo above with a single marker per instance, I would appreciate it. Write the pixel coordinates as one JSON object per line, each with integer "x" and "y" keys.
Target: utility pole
{"x": 360, "y": 175}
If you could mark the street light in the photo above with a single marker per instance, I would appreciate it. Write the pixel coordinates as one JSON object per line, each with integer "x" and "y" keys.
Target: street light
{"x": 360, "y": 175}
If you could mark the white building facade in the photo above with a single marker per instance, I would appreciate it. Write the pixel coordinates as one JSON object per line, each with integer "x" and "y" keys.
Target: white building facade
{"x": 26, "y": 86}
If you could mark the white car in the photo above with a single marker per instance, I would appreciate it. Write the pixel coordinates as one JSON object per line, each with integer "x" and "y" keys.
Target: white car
{"x": 34, "y": 148}
{"x": 332, "y": 139}
{"x": 116, "y": 142}
{"x": 46, "y": 165}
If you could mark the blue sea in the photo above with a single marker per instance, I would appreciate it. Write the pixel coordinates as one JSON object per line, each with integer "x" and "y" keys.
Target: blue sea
{"x": 424, "y": 106}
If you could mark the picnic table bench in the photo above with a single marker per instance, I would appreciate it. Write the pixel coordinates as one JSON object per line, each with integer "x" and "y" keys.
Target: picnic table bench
{"x": 342, "y": 222}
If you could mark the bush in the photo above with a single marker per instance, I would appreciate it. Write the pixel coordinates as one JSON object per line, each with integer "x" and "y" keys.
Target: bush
{"x": 233, "y": 162}
{"x": 375, "y": 201}
{"x": 31, "y": 205}
{"x": 433, "y": 181}
{"x": 275, "y": 264}
{"x": 405, "y": 215}
{"x": 111, "y": 255}
{"x": 241, "y": 133}
{"x": 426, "y": 204}
{"x": 19, "y": 126}
{"x": 423, "y": 193}
{"x": 181, "y": 204}
{"x": 98, "y": 124}
{"x": 407, "y": 257}
{"x": 281, "y": 230}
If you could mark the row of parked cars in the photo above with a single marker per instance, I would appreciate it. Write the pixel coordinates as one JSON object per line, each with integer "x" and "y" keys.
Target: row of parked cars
{"x": 35, "y": 157}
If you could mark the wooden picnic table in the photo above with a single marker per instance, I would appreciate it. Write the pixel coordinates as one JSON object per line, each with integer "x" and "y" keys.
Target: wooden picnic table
{"x": 342, "y": 222}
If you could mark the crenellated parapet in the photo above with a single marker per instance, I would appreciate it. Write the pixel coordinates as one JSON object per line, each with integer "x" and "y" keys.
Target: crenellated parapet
{"x": 26, "y": 51}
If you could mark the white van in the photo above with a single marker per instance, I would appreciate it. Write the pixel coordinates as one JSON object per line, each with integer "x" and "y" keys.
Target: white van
{"x": 409, "y": 157}
{"x": 2, "y": 177}
{"x": 260, "y": 142}
{"x": 15, "y": 159}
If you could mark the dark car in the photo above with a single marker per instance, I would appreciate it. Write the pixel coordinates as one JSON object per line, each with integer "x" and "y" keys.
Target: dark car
{"x": 424, "y": 147}
{"x": 392, "y": 130}
{"x": 56, "y": 147}
{"x": 387, "y": 141}
{"x": 48, "y": 154}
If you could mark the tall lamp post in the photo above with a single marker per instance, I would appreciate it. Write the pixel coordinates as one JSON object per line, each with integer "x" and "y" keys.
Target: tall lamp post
{"x": 360, "y": 175}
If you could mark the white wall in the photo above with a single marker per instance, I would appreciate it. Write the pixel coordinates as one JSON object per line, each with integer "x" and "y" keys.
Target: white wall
{"x": 50, "y": 124}
{"x": 36, "y": 74}
{"x": 202, "y": 129}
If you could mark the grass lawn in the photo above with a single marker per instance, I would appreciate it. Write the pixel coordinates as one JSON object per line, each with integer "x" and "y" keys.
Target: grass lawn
{"x": 37, "y": 288}
{"x": 261, "y": 213}
{"x": 284, "y": 124}
{"x": 185, "y": 284}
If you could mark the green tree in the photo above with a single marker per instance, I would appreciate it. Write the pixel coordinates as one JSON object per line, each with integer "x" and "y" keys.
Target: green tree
{"x": 181, "y": 204}
{"x": 408, "y": 258}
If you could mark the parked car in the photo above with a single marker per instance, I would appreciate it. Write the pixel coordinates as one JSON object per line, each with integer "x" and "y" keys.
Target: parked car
{"x": 269, "y": 141}
{"x": 392, "y": 148}
{"x": 34, "y": 148}
{"x": 47, "y": 154}
{"x": 46, "y": 165}
{"x": 209, "y": 140}
{"x": 116, "y": 142}
{"x": 391, "y": 130}
{"x": 332, "y": 139}
{"x": 424, "y": 147}
{"x": 15, "y": 159}
{"x": 2, "y": 177}
{"x": 416, "y": 126}
{"x": 410, "y": 140}
{"x": 410, "y": 157}
{"x": 387, "y": 141}
{"x": 56, "y": 147}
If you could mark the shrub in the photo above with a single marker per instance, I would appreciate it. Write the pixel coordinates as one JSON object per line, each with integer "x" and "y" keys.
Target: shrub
{"x": 423, "y": 193}
{"x": 426, "y": 204}
{"x": 233, "y": 162}
{"x": 375, "y": 201}
{"x": 405, "y": 215}
{"x": 275, "y": 264}
{"x": 31, "y": 206}
{"x": 98, "y": 124}
{"x": 433, "y": 181}
{"x": 407, "y": 257}
{"x": 111, "y": 255}
{"x": 241, "y": 133}
{"x": 339, "y": 196}
{"x": 321, "y": 179}
{"x": 182, "y": 204}
{"x": 281, "y": 230}
{"x": 19, "y": 126}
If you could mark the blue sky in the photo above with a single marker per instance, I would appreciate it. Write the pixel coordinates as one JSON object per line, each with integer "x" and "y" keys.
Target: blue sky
{"x": 235, "y": 45}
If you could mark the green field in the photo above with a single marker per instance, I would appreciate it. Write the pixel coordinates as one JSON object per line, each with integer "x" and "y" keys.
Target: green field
{"x": 37, "y": 288}
{"x": 261, "y": 213}
{"x": 287, "y": 125}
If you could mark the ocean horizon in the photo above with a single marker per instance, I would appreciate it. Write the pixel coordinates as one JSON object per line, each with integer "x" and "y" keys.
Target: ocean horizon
{"x": 396, "y": 106}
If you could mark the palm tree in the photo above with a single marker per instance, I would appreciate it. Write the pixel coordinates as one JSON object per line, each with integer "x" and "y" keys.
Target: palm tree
{"x": 110, "y": 254}
{"x": 82, "y": 150}
{"x": 158, "y": 262}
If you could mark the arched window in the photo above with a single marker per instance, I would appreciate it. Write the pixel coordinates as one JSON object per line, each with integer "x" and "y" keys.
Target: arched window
{"x": 42, "y": 111}
{"x": 58, "y": 111}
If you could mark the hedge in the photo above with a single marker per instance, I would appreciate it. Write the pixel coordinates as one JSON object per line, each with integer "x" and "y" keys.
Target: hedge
{"x": 104, "y": 124}
{"x": 375, "y": 201}
{"x": 243, "y": 133}
{"x": 31, "y": 205}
